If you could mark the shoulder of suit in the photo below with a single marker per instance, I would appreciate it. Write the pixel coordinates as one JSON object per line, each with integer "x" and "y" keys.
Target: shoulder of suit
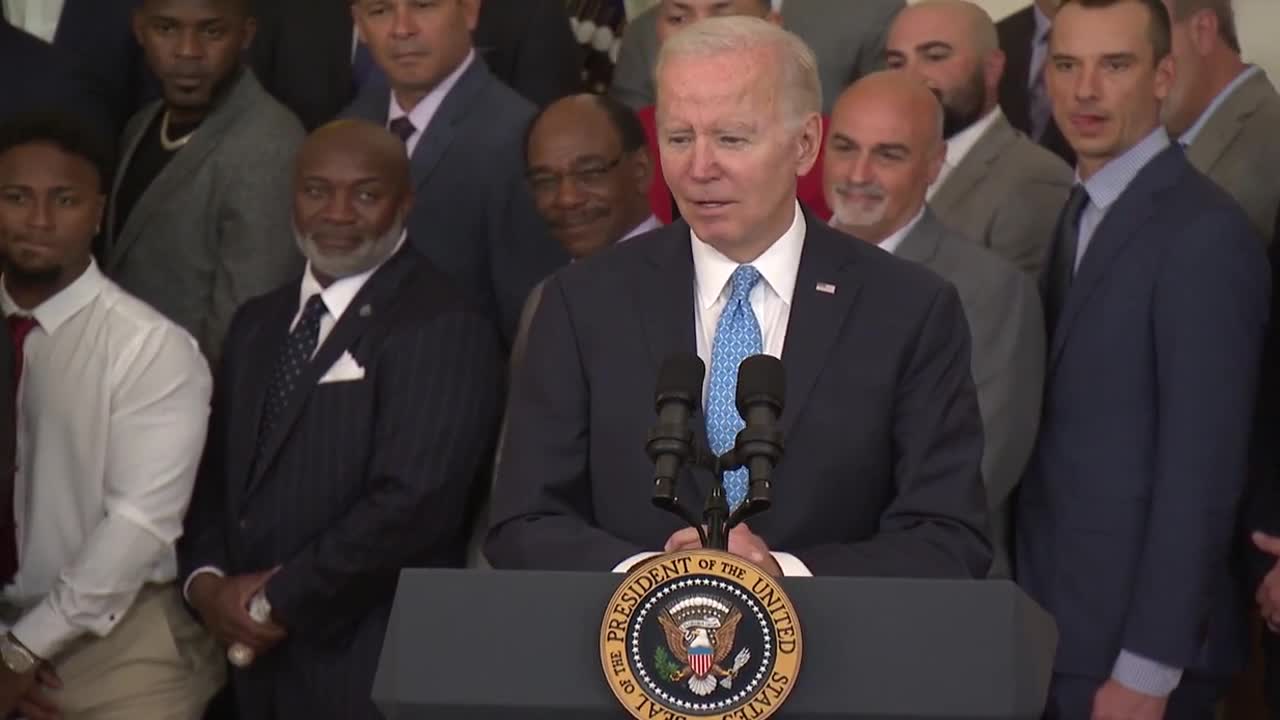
{"x": 1031, "y": 162}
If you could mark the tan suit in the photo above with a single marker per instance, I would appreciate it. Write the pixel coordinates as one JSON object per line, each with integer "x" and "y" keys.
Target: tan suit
{"x": 1239, "y": 149}
{"x": 1006, "y": 195}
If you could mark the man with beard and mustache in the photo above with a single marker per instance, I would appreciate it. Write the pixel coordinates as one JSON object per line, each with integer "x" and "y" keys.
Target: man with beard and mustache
{"x": 352, "y": 411}
{"x": 197, "y": 221}
{"x": 1226, "y": 113}
{"x": 997, "y": 187}
{"x": 112, "y": 409}
{"x": 884, "y": 148}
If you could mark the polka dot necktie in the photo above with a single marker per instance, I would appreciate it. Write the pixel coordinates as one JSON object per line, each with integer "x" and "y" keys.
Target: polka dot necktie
{"x": 737, "y": 338}
{"x": 294, "y": 357}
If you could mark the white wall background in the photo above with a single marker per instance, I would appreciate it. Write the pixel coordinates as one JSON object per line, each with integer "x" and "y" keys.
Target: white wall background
{"x": 1258, "y": 21}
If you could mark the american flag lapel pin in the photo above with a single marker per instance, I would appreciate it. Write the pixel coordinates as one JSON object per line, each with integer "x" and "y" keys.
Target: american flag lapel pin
{"x": 827, "y": 288}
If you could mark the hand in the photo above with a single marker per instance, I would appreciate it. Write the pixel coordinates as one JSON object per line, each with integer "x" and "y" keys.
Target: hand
{"x": 1114, "y": 701}
{"x": 12, "y": 688}
{"x": 1268, "y": 594}
{"x": 742, "y": 542}
{"x": 36, "y": 705}
{"x": 223, "y": 604}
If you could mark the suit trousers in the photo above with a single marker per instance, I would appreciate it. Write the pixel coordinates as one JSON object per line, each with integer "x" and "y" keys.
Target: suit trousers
{"x": 1195, "y": 698}
{"x": 158, "y": 663}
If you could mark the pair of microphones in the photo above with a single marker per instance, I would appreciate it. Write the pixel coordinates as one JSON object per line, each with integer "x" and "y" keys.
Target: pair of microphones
{"x": 760, "y": 397}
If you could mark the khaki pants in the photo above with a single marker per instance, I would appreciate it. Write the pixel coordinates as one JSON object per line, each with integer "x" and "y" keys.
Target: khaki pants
{"x": 158, "y": 663}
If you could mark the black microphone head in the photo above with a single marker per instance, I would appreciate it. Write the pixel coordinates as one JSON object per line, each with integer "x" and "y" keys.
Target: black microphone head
{"x": 761, "y": 379}
{"x": 680, "y": 377}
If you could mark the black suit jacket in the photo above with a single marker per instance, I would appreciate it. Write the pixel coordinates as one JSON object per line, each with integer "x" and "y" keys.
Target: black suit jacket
{"x": 1016, "y": 33}
{"x": 302, "y": 52}
{"x": 884, "y": 438}
{"x": 473, "y": 215}
{"x": 1128, "y": 512}
{"x": 43, "y": 78}
{"x": 360, "y": 478}
{"x": 99, "y": 34}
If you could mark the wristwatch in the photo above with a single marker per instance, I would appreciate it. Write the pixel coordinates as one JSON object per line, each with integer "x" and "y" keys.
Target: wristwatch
{"x": 16, "y": 656}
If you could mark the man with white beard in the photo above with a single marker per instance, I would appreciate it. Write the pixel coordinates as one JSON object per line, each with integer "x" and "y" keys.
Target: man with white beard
{"x": 351, "y": 415}
{"x": 884, "y": 149}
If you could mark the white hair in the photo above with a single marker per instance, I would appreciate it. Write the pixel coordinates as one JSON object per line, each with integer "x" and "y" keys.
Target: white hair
{"x": 796, "y": 64}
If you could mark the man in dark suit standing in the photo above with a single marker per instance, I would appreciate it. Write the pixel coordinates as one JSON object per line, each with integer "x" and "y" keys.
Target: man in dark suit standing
{"x": 1156, "y": 300}
{"x": 884, "y": 435}
{"x": 1024, "y": 38}
{"x": 308, "y": 56}
{"x": 473, "y": 215}
{"x": 351, "y": 414}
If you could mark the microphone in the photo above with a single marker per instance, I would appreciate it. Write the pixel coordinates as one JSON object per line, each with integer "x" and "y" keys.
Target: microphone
{"x": 761, "y": 394}
{"x": 677, "y": 396}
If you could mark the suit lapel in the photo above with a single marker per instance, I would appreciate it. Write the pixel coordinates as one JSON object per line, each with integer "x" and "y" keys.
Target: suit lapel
{"x": 921, "y": 244}
{"x": 365, "y": 310}
{"x": 454, "y": 109}
{"x": 187, "y": 161}
{"x": 816, "y": 318}
{"x": 1227, "y": 122}
{"x": 267, "y": 338}
{"x": 1118, "y": 228}
{"x": 144, "y": 121}
{"x": 975, "y": 166}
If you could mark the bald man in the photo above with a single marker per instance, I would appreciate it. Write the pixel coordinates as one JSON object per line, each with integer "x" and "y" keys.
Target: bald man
{"x": 353, "y": 409}
{"x": 884, "y": 149}
{"x": 952, "y": 46}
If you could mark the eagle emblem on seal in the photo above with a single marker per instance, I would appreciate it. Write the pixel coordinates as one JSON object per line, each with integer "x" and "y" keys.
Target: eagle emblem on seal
{"x": 700, "y": 632}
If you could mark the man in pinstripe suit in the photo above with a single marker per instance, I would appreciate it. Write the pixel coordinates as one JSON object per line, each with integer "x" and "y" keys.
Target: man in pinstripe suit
{"x": 351, "y": 414}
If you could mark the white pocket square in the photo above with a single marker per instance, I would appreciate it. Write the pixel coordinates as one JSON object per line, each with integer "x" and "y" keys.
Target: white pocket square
{"x": 345, "y": 369}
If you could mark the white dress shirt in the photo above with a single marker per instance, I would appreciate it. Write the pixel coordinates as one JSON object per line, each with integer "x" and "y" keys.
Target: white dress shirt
{"x": 770, "y": 302}
{"x": 113, "y": 406}
{"x": 959, "y": 146}
{"x": 36, "y": 17}
{"x": 650, "y": 223}
{"x": 425, "y": 110}
{"x": 336, "y": 298}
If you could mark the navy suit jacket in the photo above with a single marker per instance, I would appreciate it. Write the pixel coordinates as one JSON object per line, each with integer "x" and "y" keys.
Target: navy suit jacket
{"x": 473, "y": 215}
{"x": 359, "y": 479}
{"x": 43, "y": 78}
{"x": 99, "y": 34}
{"x": 882, "y": 469}
{"x": 1128, "y": 513}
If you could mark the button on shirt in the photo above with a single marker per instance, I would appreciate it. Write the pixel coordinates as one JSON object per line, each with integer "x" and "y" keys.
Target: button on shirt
{"x": 425, "y": 110}
{"x": 770, "y": 301}
{"x": 113, "y": 406}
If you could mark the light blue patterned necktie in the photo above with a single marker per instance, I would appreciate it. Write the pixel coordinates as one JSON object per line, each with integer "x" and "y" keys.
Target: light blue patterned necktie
{"x": 737, "y": 338}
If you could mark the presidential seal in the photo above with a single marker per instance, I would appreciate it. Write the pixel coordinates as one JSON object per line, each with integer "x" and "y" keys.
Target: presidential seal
{"x": 700, "y": 634}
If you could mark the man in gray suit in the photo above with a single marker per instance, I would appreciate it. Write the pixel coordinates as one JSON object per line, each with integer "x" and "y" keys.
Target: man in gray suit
{"x": 198, "y": 220}
{"x": 884, "y": 148}
{"x": 953, "y": 46}
{"x": 846, "y": 35}
{"x": 1226, "y": 113}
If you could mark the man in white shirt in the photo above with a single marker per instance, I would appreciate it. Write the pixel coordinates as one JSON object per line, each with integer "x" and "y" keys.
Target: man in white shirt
{"x": 113, "y": 403}
{"x": 463, "y": 130}
{"x": 884, "y": 437}
{"x": 1223, "y": 111}
{"x": 884, "y": 148}
{"x": 354, "y": 409}
{"x": 953, "y": 46}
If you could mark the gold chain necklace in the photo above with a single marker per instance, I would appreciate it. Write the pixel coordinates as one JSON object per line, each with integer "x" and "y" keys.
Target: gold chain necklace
{"x": 165, "y": 142}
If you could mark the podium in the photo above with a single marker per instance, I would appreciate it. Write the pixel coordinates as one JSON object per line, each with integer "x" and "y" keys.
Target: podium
{"x": 476, "y": 645}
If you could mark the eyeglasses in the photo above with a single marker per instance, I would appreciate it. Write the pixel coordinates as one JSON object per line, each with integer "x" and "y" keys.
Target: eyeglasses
{"x": 588, "y": 176}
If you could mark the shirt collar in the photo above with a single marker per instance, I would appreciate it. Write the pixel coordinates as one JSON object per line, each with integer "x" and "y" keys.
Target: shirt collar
{"x": 340, "y": 293}
{"x": 65, "y": 304}
{"x": 1043, "y": 25}
{"x": 1110, "y": 181}
{"x": 891, "y": 243}
{"x": 962, "y": 142}
{"x": 650, "y": 223}
{"x": 426, "y": 108}
{"x": 1193, "y": 132}
{"x": 778, "y": 265}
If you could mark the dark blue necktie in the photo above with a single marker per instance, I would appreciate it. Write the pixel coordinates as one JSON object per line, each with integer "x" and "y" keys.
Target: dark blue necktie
{"x": 294, "y": 357}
